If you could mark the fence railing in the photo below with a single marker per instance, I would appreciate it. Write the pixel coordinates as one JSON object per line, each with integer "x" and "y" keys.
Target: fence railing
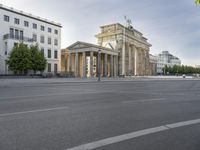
{"x": 20, "y": 38}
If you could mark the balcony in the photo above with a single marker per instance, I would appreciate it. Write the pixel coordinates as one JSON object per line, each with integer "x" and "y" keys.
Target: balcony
{"x": 19, "y": 38}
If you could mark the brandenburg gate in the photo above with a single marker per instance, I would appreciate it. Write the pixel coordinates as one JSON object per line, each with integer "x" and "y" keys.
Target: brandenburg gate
{"x": 132, "y": 46}
{"x": 123, "y": 51}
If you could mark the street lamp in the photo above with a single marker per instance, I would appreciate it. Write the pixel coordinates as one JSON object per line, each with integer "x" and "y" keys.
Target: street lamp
{"x": 99, "y": 65}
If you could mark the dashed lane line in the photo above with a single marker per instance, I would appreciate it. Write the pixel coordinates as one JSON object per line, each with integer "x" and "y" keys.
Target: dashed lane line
{"x": 33, "y": 111}
{"x": 144, "y": 100}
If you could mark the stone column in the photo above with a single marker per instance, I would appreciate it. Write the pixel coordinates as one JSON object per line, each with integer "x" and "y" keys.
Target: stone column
{"x": 130, "y": 62}
{"x": 84, "y": 64}
{"x": 65, "y": 61}
{"x": 144, "y": 59}
{"x": 147, "y": 62}
{"x": 111, "y": 65}
{"x": 117, "y": 65}
{"x": 76, "y": 65}
{"x": 124, "y": 55}
{"x": 102, "y": 64}
{"x": 136, "y": 60}
{"x": 91, "y": 64}
{"x": 105, "y": 65}
{"x": 142, "y": 62}
{"x": 69, "y": 62}
{"x": 98, "y": 71}
{"x": 97, "y": 65}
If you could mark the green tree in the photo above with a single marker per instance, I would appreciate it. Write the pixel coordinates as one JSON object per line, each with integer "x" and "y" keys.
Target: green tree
{"x": 38, "y": 61}
{"x": 197, "y": 2}
{"x": 19, "y": 59}
{"x": 22, "y": 58}
{"x": 181, "y": 69}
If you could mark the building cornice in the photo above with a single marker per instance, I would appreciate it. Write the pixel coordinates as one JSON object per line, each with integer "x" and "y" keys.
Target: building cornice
{"x": 10, "y": 9}
{"x": 134, "y": 30}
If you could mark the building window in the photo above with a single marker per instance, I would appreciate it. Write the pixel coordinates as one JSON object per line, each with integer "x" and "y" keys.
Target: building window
{"x": 16, "y": 34}
{"x": 49, "y": 53}
{"x": 26, "y": 24}
{"x": 21, "y": 35}
{"x": 42, "y": 51}
{"x": 11, "y": 32}
{"x": 56, "y": 54}
{"x": 6, "y": 18}
{"x": 55, "y": 42}
{"x": 16, "y": 21}
{"x": 34, "y": 37}
{"x": 6, "y": 48}
{"x": 49, "y": 67}
{"x": 34, "y": 26}
{"x": 41, "y": 39}
{"x": 42, "y": 28}
{"x": 49, "y": 30}
{"x": 49, "y": 40}
{"x": 55, "y": 31}
{"x": 55, "y": 68}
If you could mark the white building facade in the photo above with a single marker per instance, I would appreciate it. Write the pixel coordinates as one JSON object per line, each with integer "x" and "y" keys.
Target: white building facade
{"x": 165, "y": 58}
{"x": 18, "y": 26}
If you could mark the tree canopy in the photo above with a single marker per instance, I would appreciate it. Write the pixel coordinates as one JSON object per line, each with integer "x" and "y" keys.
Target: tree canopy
{"x": 181, "y": 70}
{"x": 23, "y": 58}
{"x": 19, "y": 59}
{"x": 197, "y": 2}
{"x": 38, "y": 61}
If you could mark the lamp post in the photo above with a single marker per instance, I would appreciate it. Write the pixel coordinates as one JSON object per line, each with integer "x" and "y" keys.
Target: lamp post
{"x": 99, "y": 65}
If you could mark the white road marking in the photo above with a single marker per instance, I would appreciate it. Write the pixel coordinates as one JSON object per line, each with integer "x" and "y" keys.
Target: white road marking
{"x": 184, "y": 123}
{"x": 33, "y": 111}
{"x": 144, "y": 100}
{"x": 158, "y": 93}
{"x": 159, "y": 99}
{"x": 124, "y": 137}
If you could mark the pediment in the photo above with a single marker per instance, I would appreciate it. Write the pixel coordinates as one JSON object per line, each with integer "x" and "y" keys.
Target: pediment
{"x": 78, "y": 45}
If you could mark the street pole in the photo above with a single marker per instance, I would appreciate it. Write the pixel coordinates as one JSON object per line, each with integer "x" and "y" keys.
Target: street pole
{"x": 99, "y": 65}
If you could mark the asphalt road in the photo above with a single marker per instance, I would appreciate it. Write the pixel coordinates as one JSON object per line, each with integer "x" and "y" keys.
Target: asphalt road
{"x": 60, "y": 116}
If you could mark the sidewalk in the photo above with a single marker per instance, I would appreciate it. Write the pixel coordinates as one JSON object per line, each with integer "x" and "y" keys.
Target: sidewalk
{"x": 39, "y": 81}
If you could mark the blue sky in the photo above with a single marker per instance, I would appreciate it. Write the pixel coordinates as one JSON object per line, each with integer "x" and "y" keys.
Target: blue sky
{"x": 172, "y": 25}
